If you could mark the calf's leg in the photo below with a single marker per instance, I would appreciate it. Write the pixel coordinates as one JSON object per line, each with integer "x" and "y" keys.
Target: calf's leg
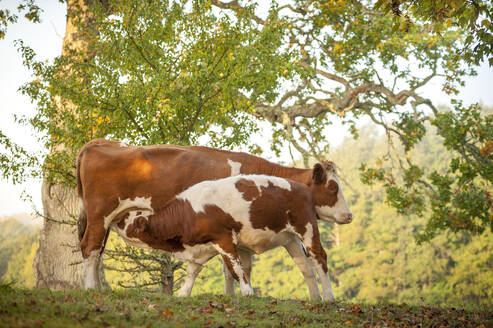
{"x": 229, "y": 281}
{"x": 231, "y": 258}
{"x": 318, "y": 258}
{"x": 295, "y": 249}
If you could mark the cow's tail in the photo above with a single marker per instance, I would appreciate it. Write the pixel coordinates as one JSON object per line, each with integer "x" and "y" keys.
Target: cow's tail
{"x": 82, "y": 221}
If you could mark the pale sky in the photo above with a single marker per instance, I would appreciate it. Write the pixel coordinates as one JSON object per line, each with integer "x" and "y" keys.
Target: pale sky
{"x": 46, "y": 40}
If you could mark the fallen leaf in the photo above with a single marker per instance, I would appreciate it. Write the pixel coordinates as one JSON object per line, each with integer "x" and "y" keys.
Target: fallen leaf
{"x": 168, "y": 313}
{"x": 229, "y": 310}
{"x": 152, "y": 306}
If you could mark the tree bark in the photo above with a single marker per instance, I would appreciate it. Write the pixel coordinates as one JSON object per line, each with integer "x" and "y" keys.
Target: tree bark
{"x": 57, "y": 263}
{"x": 58, "y": 251}
{"x": 167, "y": 279}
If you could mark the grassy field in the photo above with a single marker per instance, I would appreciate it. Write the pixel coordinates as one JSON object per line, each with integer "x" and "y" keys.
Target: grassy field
{"x": 44, "y": 308}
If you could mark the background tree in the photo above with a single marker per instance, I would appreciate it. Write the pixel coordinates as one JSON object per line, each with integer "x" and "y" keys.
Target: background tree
{"x": 139, "y": 80}
{"x": 352, "y": 62}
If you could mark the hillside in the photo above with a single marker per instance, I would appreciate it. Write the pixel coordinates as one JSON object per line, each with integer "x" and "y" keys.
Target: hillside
{"x": 18, "y": 244}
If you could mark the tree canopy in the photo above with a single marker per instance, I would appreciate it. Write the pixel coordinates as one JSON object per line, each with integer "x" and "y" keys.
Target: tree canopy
{"x": 204, "y": 71}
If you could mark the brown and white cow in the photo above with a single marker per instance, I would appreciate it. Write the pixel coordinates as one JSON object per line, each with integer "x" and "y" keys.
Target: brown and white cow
{"x": 253, "y": 212}
{"x": 112, "y": 175}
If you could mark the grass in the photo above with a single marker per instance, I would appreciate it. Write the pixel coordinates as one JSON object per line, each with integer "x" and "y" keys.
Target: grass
{"x": 133, "y": 308}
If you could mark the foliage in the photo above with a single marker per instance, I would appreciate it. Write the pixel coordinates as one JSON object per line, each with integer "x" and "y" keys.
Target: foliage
{"x": 353, "y": 62}
{"x": 147, "y": 82}
{"x": 15, "y": 162}
{"x": 476, "y": 17}
{"x": 7, "y": 16}
{"x": 457, "y": 196}
{"x": 131, "y": 308}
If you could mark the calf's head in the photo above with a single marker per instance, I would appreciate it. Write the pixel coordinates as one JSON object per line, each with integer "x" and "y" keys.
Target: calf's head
{"x": 330, "y": 203}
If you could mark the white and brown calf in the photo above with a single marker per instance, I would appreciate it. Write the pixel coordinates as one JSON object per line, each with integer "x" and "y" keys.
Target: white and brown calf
{"x": 253, "y": 213}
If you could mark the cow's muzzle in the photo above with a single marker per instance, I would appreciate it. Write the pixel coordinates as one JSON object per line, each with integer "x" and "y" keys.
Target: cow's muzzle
{"x": 347, "y": 218}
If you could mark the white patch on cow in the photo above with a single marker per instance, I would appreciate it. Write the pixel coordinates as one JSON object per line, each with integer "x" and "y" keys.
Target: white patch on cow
{"x": 199, "y": 253}
{"x": 263, "y": 181}
{"x": 289, "y": 228}
{"x": 235, "y": 167}
{"x": 123, "y": 144}
{"x": 223, "y": 194}
{"x": 143, "y": 203}
{"x": 308, "y": 235}
{"x": 90, "y": 270}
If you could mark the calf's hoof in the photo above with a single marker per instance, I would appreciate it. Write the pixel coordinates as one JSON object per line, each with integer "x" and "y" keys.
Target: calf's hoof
{"x": 247, "y": 290}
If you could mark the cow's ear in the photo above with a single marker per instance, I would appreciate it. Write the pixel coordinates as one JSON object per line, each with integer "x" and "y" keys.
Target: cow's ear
{"x": 319, "y": 174}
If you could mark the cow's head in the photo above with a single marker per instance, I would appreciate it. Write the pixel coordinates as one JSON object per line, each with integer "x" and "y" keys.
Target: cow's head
{"x": 330, "y": 203}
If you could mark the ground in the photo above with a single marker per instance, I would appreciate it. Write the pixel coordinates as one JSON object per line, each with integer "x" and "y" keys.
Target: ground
{"x": 134, "y": 308}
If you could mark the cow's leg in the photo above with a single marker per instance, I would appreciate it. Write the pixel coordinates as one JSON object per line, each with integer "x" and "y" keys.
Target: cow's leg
{"x": 295, "y": 249}
{"x": 230, "y": 256}
{"x": 193, "y": 270}
{"x": 318, "y": 257}
{"x": 92, "y": 247}
{"x": 229, "y": 281}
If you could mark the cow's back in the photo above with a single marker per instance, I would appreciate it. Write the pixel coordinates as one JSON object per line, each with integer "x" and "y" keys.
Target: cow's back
{"x": 111, "y": 170}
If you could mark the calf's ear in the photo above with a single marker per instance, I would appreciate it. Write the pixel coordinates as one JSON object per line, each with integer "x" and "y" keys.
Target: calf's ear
{"x": 319, "y": 174}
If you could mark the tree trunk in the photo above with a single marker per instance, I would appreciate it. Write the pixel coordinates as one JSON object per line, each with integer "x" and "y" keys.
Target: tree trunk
{"x": 55, "y": 261}
{"x": 55, "y": 264}
{"x": 167, "y": 278}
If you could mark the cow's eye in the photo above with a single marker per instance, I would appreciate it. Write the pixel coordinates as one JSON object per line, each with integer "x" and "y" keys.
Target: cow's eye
{"x": 333, "y": 186}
